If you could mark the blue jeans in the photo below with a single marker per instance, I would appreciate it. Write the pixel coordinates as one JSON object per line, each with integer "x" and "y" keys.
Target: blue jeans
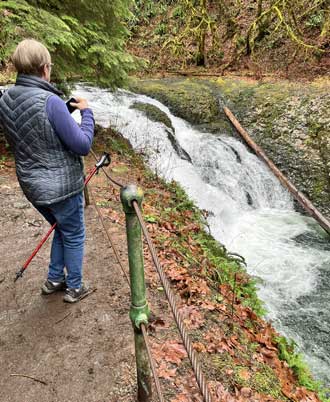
{"x": 68, "y": 241}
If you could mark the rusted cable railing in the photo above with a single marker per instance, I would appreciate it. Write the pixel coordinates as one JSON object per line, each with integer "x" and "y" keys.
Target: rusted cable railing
{"x": 152, "y": 364}
{"x": 201, "y": 381}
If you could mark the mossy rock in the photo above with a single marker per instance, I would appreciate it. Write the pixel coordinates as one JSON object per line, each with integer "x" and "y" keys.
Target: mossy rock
{"x": 153, "y": 113}
{"x": 291, "y": 122}
{"x": 192, "y": 100}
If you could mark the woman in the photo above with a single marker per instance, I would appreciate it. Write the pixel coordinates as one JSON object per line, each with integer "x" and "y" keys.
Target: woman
{"x": 47, "y": 144}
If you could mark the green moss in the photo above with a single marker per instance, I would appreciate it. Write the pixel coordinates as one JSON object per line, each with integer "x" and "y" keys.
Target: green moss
{"x": 153, "y": 113}
{"x": 319, "y": 187}
{"x": 262, "y": 379}
{"x": 192, "y": 100}
{"x": 265, "y": 382}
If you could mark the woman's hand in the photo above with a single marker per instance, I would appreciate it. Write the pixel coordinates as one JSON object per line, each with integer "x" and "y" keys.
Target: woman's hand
{"x": 81, "y": 103}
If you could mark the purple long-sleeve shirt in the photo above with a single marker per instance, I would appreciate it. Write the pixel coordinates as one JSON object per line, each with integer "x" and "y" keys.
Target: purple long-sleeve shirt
{"x": 77, "y": 139}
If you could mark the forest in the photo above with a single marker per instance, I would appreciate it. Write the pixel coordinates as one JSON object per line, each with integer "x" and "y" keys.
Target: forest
{"x": 105, "y": 41}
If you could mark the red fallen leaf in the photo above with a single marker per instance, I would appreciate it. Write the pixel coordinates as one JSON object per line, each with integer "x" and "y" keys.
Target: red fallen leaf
{"x": 157, "y": 322}
{"x": 197, "y": 286}
{"x": 246, "y": 392}
{"x": 168, "y": 226}
{"x": 207, "y": 305}
{"x": 181, "y": 398}
{"x": 253, "y": 316}
{"x": 166, "y": 372}
{"x": 265, "y": 337}
{"x": 225, "y": 290}
{"x": 177, "y": 273}
{"x": 193, "y": 318}
{"x": 305, "y": 396}
{"x": 217, "y": 344}
{"x": 192, "y": 227}
{"x": 268, "y": 353}
{"x": 171, "y": 351}
{"x": 223, "y": 395}
{"x": 288, "y": 394}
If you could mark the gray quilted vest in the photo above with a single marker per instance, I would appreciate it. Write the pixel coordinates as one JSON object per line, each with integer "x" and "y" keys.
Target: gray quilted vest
{"x": 46, "y": 170}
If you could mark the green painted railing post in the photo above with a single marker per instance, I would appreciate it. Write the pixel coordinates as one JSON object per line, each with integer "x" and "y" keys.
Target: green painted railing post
{"x": 139, "y": 311}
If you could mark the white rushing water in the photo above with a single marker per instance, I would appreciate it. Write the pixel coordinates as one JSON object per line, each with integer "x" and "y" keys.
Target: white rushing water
{"x": 249, "y": 212}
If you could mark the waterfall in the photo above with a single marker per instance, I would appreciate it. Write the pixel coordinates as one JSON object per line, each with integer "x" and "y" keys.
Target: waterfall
{"x": 250, "y": 212}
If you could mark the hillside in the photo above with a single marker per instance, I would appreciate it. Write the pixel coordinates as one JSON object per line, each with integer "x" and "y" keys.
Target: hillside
{"x": 288, "y": 39}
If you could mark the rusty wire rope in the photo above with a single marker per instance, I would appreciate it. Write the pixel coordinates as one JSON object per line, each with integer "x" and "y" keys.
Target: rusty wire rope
{"x": 201, "y": 381}
{"x": 143, "y": 328}
{"x": 109, "y": 238}
{"x": 200, "y": 378}
{"x": 152, "y": 363}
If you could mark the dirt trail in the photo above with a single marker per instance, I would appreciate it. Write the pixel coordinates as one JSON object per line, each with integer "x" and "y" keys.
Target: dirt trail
{"x": 84, "y": 352}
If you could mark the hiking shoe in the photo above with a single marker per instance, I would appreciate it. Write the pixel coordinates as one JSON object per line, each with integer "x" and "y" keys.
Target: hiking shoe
{"x": 50, "y": 287}
{"x": 74, "y": 295}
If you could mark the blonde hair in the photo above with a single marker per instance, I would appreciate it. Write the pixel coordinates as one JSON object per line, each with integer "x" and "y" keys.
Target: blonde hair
{"x": 30, "y": 56}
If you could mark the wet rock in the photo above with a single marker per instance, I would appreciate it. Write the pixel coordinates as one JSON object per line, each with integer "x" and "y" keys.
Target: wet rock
{"x": 249, "y": 199}
{"x": 291, "y": 122}
{"x": 153, "y": 113}
{"x": 312, "y": 239}
{"x": 178, "y": 149}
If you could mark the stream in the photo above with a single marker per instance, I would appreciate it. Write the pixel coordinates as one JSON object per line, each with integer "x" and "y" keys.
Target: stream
{"x": 249, "y": 212}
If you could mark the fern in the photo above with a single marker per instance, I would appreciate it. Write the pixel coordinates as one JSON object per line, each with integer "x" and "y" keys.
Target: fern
{"x": 86, "y": 39}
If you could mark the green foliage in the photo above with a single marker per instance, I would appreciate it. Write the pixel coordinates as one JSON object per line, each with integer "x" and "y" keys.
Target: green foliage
{"x": 146, "y": 10}
{"x": 197, "y": 31}
{"x": 227, "y": 268}
{"x": 315, "y": 20}
{"x": 86, "y": 39}
{"x": 161, "y": 29}
{"x": 178, "y": 12}
{"x": 296, "y": 362}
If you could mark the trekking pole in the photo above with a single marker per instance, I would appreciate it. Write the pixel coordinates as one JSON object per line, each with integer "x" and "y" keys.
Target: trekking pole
{"x": 104, "y": 161}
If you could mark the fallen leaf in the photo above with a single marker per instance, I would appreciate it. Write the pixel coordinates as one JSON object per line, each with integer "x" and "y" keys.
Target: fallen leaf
{"x": 166, "y": 372}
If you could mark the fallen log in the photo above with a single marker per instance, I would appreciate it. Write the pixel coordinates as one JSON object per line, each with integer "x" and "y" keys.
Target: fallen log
{"x": 301, "y": 199}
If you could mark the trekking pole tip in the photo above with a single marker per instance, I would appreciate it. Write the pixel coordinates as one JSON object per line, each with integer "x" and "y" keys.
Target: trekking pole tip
{"x": 19, "y": 274}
